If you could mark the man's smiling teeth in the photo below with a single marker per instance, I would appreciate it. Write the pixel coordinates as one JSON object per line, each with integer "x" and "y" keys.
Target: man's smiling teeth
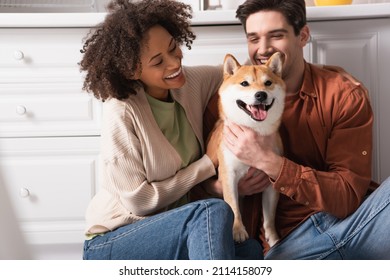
{"x": 263, "y": 61}
{"x": 174, "y": 75}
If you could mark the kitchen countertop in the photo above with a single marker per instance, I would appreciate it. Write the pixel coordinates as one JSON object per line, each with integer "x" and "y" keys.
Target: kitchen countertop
{"x": 217, "y": 17}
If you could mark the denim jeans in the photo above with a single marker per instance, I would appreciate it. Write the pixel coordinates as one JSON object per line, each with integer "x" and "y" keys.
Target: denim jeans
{"x": 200, "y": 230}
{"x": 363, "y": 235}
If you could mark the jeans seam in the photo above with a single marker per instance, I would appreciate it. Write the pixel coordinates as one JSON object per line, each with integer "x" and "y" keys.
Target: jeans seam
{"x": 336, "y": 247}
{"x": 209, "y": 230}
{"x": 100, "y": 245}
{"x": 320, "y": 231}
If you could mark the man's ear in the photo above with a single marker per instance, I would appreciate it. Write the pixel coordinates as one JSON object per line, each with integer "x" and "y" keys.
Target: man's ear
{"x": 304, "y": 35}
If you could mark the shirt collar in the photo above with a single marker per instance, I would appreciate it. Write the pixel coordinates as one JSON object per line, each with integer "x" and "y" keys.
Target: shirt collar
{"x": 307, "y": 88}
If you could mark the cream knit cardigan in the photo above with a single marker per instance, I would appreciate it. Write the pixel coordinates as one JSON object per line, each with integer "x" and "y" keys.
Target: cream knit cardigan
{"x": 140, "y": 171}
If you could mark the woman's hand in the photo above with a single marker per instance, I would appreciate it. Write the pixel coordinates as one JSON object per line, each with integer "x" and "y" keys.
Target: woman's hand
{"x": 253, "y": 182}
{"x": 212, "y": 186}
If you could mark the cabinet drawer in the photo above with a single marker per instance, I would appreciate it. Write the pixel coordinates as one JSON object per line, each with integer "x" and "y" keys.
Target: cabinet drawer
{"x": 50, "y": 182}
{"x": 48, "y": 110}
{"x": 211, "y": 49}
{"x": 40, "y": 54}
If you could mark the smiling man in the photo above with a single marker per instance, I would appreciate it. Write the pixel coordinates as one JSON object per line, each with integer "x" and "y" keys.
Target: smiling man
{"x": 327, "y": 209}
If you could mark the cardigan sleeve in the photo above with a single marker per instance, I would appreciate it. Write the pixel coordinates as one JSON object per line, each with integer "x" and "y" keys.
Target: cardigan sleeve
{"x": 141, "y": 197}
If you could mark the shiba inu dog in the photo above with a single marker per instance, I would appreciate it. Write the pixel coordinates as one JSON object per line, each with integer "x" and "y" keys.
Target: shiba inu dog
{"x": 251, "y": 96}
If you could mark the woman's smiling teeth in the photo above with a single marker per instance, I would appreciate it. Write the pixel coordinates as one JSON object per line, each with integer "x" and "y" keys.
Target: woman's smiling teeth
{"x": 174, "y": 75}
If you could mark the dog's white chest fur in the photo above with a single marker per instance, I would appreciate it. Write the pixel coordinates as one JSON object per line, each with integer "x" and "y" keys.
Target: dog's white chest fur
{"x": 234, "y": 165}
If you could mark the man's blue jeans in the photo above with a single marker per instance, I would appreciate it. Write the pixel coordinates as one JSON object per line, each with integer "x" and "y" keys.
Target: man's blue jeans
{"x": 200, "y": 230}
{"x": 363, "y": 235}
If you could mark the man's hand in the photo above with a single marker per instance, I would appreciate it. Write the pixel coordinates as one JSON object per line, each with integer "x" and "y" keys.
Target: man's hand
{"x": 253, "y": 149}
{"x": 253, "y": 182}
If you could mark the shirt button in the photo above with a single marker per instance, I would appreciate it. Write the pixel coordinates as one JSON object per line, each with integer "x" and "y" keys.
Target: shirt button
{"x": 282, "y": 189}
{"x": 364, "y": 153}
{"x": 307, "y": 203}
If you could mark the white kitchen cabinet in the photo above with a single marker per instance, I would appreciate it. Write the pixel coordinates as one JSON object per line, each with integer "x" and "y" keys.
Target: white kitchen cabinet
{"x": 49, "y": 136}
{"x": 40, "y": 84}
{"x": 50, "y": 181}
{"x": 212, "y": 43}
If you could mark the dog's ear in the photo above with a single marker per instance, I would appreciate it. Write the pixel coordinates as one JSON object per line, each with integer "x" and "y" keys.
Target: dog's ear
{"x": 276, "y": 63}
{"x": 230, "y": 65}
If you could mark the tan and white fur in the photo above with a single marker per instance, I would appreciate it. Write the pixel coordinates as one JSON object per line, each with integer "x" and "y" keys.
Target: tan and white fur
{"x": 251, "y": 96}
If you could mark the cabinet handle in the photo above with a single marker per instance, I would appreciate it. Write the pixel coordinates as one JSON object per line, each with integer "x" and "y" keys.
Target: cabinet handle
{"x": 18, "y": 55}
{"x": 21, "y": 110}
{"x": 24, "y": 192}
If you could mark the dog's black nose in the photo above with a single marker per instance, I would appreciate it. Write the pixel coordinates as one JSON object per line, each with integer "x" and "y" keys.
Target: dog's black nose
{"x": 261, "y": 96}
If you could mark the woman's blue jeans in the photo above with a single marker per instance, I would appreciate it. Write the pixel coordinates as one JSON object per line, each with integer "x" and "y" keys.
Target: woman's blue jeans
{"x": 200, "y": 230}
{"x": 363, "y": 235}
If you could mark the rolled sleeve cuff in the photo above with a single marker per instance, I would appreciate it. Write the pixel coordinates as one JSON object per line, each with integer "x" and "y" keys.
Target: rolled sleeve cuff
{"x": 288, "y": 179}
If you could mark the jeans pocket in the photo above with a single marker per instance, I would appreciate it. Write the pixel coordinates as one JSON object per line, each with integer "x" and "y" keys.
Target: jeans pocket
{"x": 323, "y": 221}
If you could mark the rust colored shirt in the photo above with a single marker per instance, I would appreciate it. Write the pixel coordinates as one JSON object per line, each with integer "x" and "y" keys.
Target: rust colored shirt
{"x": 327, "y": 137}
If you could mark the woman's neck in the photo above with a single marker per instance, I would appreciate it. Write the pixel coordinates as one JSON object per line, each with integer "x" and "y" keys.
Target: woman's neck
{"x": 162, "y": 95}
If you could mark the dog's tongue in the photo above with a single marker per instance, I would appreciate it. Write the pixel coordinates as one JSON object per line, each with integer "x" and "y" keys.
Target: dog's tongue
{"x": 257, "y": 112}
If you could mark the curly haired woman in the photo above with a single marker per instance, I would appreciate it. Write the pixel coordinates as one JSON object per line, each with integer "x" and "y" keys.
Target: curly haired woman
{"x": 152, "y": 148}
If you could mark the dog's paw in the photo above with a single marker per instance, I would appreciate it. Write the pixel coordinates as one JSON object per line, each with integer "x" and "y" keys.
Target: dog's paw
{"x": 239, "y": 233}
{"x": 272, "y": 239}
{"x": 272, "y": 242}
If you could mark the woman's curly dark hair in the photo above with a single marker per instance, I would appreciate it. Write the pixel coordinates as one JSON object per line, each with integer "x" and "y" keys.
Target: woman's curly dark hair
{"x": 111, "y": 52}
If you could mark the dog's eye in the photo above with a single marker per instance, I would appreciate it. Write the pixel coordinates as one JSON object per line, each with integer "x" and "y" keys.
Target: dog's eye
{"x": 244, "y": 84}
{"x": 268, "y": 83}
